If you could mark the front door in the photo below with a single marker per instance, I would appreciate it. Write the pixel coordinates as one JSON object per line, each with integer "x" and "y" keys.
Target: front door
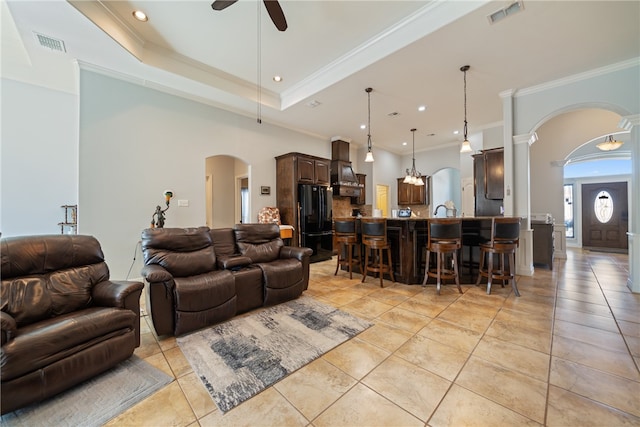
{"x": 605, "y": 215}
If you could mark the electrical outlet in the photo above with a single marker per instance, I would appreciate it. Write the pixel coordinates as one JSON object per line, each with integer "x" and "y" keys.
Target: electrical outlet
{"x": 183, "y": 203}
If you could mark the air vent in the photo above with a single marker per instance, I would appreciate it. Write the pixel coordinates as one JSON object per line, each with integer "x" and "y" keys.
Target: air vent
{"x": 50, "y": 43}
{"x": 499, "y": 15}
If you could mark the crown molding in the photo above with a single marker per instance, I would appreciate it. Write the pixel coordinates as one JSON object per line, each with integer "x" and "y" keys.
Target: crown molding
{"x": 634, "y": 62}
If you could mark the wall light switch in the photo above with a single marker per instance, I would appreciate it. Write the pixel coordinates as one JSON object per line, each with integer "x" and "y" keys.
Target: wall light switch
{"x": 183, "y": 203}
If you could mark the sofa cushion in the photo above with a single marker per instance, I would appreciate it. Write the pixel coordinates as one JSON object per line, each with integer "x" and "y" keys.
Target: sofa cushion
{"x": 281, "y": 273}
{"x": 263, "y": 252}
{"x": 224, "y": 241}
{"x": 43, "y": 343}
{"x": 182, "y": 251}
{"x": 33, "y": 255}
{"x": 36, "y": 297}
{"x": 197, "y": 293}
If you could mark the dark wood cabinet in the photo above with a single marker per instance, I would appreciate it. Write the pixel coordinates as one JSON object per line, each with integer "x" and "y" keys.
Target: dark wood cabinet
{"x": 293, "y": 169}
{"x": 409, "y": 194}
{"x": 542, "y": 243}
{"x": 361, "y": 199}
{"x": 312, "y": 170}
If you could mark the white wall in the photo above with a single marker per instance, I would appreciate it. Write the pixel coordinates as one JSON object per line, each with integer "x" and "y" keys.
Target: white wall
{"x": 39, "y": 158}
{"x": 136, "y": 142}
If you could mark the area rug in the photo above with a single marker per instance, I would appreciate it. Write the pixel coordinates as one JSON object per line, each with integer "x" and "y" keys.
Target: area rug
{"x": 237, "y": 359}
{"x": 96, "y": 401}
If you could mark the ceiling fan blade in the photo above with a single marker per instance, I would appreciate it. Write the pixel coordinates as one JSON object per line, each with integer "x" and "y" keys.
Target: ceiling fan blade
{"x": 276, "y": 14}
{"x": 222, "y": 4}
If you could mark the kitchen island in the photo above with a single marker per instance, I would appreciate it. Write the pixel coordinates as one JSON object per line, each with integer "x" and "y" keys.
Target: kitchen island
{"x": 408, "y": 239}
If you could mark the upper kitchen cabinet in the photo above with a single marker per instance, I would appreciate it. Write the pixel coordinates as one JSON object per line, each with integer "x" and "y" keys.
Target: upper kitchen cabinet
{"x": 311, "y": 170}
{"x": 409, "y": 194}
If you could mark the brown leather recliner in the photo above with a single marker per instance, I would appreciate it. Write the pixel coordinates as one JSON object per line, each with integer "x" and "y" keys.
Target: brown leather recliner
{"x": 63, "y": 320}
{"x": 198, "y": 276}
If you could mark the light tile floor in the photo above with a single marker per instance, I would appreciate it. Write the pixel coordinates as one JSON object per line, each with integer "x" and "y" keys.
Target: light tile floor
{"x": 566, "y": 353}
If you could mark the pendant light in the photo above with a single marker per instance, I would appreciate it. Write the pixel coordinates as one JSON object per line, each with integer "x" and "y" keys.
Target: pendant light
{"x": 466, "y": 145}
{"x": 609, "y": 144}
{"x": 413, "y": 176}
{"x": 369, "y": 157}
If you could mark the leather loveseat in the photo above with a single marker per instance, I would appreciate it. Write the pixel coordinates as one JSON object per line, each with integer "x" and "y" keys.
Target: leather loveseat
{"x": 200, "y": 276}
{"x": 63, "y": 320}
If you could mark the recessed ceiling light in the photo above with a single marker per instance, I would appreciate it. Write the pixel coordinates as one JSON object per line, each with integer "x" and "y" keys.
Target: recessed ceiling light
{"x": 363, "y": 126}
{"x": 277, "y": 79}
{"x": 140, "y": 16}
{"x": 455, "y": 132}
{"x": 422, "y": 108}
{"x": 404, "y": 143}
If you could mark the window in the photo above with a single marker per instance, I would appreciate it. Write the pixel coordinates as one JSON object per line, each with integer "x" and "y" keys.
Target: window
{"x": 568, "y": 210}
{"x": 603, "y": 206}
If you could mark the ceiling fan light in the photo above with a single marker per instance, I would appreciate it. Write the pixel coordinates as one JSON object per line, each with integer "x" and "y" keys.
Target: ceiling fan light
{"x": 466, "y": 147}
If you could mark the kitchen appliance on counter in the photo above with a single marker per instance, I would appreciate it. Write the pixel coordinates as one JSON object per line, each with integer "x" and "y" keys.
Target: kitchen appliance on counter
{"x": 315, "y": 216}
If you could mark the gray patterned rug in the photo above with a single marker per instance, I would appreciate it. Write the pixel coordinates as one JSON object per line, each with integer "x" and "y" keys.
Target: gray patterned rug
{"x": 238, "y": 359}
{"x": 95, "y": 401}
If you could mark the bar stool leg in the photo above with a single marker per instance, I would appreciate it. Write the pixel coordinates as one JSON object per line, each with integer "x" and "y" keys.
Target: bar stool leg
{"x": 455, "y": 270}
{"x": 502, "y": 270}
{"x": 482, "y": 254}
{"x": 489, "y": 272}
{"x": 380, "y": 265}
{"x": 338, "y": 263}
{"x": 426, "y": 270}
{"x": 350, "y": 250}
{"x": 512, "y": 273}
{"x": 393, "y": 280}
{"x": 438, "y": 264}
{"x": 366, "y": 264}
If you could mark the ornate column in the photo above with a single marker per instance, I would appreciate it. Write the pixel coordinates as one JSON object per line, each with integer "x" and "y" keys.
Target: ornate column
{"x": 632, "y": 124}
{"x": 522, "y": 202}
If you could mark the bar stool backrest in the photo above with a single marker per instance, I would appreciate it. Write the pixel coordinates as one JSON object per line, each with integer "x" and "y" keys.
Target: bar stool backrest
{"x": 374, "y": 229}
{"x": 505, "y": 230}
{"x": 445, "y": 229}
{"x": 343, "y": 226}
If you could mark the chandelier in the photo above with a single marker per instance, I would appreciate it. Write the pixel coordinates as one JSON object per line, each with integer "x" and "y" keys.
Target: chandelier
{"x": 413, "y": 176}
{"x": 369, "y": 157}
{"x": 609, "y": 144}
{"x": 466, "y": 145}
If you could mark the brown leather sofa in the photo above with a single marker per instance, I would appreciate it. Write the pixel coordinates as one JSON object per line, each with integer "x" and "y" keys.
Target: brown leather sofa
{"x": 199, "y": 276}
{"x": 63, "y": 320}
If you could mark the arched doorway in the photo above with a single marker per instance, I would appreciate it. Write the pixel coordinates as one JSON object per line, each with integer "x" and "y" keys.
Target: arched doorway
{"x": 227, "y": 191}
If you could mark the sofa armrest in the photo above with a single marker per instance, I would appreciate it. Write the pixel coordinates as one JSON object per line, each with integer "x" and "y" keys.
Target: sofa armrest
{"x": 9, "y": 327}
{"x": 115, "y": 294}
{"x": 234, "y": 262}
{"x": 295, "y": 252}
{"x": 155, "y": 273}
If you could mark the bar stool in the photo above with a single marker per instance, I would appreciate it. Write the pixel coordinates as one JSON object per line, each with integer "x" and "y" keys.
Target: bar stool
{"x": 374, "y": 237}
{"x": 444, "y": 237}
{"x": 505, "y": 234}
{"x": 347, "y": 239}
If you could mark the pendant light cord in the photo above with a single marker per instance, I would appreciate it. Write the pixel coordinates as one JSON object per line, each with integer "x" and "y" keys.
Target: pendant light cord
{"x": 259, "y": 62}
{"x": 369, "y": 118}
{"x": 464, "y": 70}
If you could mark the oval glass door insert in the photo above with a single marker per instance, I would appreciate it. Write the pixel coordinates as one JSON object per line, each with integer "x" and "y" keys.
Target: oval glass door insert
{"x": 603, "y": 206}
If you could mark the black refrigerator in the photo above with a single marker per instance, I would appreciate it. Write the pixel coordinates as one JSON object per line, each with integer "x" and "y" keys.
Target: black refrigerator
{"x": 315, "y": 203}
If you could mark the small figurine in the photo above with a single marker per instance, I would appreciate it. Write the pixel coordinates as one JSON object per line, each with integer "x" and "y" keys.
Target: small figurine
{"x": 157, "y": 219}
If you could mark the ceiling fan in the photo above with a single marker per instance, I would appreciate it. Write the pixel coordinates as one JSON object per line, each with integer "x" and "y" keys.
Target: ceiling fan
{"x": 273, "y": 7}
